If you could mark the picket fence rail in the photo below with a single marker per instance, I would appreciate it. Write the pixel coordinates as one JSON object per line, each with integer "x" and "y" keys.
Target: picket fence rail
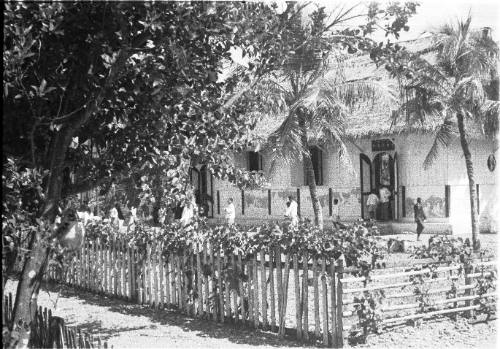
{"x": 306, "y": 295}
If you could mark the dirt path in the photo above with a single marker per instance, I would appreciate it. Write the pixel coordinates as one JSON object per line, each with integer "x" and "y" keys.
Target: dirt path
{"x": 126, "y": 325}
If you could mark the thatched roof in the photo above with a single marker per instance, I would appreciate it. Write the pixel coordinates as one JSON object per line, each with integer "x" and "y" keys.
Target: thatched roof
{"x": 367, "y": 119}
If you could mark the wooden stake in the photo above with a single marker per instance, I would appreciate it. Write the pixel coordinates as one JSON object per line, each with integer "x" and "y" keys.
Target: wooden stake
{"x": 250, "y": 291}
{"x": 279, "y": 287}
{"x": 219, "y": 288}
{"x": 325, "y": 301}
{"x": 199, "y": 282}
{"x": 305, "y": 296}
{"x": 242, "y": 289}
{"x": 339, "y": 339}
{"x": 298, "y": 310}
{"x": 272, "y": 289}
{"x": 317, "y": 325}
{"x": 256, "y": 290}
{"x": 263, "y": 286}
{"x": 161, "y": 274}
{"x": 227, "y": 297}
{"x": 205, "y": 281}
{"x": 335, "y": 305}
{"x": 213, "y": 283}
{"x": 234, "y": 291}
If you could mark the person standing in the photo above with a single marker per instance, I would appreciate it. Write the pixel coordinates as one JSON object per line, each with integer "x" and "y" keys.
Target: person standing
{"x": 230, "y": 212}
{"x": 292, "y": 211}
{"x": 189, "y": 211}
{"x": 420, "y": 217}
{"x": 371, "y": 204}
{"x": 335, "y": 213}
{"x": 385, "y": 195}
{"x": 113, "y": 215}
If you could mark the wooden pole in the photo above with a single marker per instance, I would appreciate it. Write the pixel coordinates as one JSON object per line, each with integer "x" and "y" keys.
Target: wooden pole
{"x": 256, "y": 290}
{"x": 205, "y": 281}
{"x": 182, "y": 287}
{"x": 339, "y": 339}
{"x": 220, "y": 290}
{"x": 298, "y": 315}
{"x": 325, "y": 301}
{"x": 279, "y": 276}
{"x": 272, "y": 261}
{"x": 84, "y": 271}
{"x": 130, "y": 255}
{"x": 335, "y": 305}
{"x": 468, "y": 269}
{"x": 199, "y": 282}
{"x": 263, "y": 285}
{"x": 194, "y": 281}
{"x": 106, "y": 268}
{"x": 281, "y": 332}
{"x": 149, "y": 273}
{"x": 227, "y": 299}
{"x": 234, "y": 290}
{"x": 242, "y": 289}
{"x": 317, "y": 325}
{"x": 213, "y": 283}
{"x": 251, "y": 312}
{"x": 168, "y": 278}
{"x": 305, "y": 295}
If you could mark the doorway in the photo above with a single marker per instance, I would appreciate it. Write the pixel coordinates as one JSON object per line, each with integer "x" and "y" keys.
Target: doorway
{"x": 380, "y": 175}
{"x": 202, "y": 183}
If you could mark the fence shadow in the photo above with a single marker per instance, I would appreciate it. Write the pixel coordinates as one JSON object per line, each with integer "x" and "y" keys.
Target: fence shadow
{"x": 203, "y": 328}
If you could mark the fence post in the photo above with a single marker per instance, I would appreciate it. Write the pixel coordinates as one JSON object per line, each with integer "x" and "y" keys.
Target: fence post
{"x": 339, "y": 339}
{"x": 298, "y": 310}
{"x": 468, "y": 269}
{"x": 325, "y": 301}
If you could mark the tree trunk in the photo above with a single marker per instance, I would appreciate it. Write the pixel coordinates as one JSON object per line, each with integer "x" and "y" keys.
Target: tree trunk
{"x": 472, "y": 184}
{"x": 34, "y": 267}
{"x": 309, "y": 172}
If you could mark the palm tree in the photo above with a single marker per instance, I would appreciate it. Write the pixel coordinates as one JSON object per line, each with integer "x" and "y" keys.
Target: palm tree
{"x": 453, "y": 90}
{"x": 315, "y": 96}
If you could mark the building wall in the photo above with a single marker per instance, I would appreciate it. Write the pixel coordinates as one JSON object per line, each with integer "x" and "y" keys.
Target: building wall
{"x": 343, "y": 180}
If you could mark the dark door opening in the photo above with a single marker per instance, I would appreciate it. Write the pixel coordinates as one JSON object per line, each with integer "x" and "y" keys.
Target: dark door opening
{"x": 201, "y": 181}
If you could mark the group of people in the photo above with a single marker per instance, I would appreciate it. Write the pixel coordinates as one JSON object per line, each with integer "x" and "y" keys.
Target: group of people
{"x": 291, "y": 212}
{"x": 381, "y": 205}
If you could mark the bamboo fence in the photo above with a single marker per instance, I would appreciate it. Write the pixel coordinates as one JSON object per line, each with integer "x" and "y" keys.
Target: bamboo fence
{"x": 309, "y": 296}
{"x": 49, "y": 331}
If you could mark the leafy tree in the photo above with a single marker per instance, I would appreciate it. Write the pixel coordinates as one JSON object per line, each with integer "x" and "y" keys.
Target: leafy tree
{"x": 458, "y": 90}
{"x": 98, "y": 92}
{"x": 311, "y": 89}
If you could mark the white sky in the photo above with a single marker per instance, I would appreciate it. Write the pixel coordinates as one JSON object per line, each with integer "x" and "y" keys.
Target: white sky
{"x": 434, "y": 13}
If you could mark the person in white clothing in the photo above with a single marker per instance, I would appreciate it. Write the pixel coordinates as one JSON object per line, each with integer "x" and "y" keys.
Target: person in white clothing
{"x": 188, "y": 212}
{"x": 292, "y": 211}
{"x": 113, "y": 215}
{"x": 230, "y": 212}
{"x": 372, "y": 203}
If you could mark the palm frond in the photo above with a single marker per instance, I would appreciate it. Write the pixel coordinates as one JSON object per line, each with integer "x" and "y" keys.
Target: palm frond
{"x": 286, "y": 141}
{"x": 489, "y": 117}
{"x": 334, "y": 135}
{"x": 442, "y": 139}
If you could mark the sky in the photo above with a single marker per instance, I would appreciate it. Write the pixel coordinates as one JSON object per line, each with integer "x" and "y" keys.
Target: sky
{"x": 434, "y": 13}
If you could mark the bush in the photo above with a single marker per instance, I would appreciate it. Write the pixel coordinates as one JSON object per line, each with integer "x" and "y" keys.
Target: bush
{"x": 356, "y": 242}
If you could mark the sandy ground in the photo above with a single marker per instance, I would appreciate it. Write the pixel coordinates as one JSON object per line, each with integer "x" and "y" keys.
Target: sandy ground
{"x": 127, "y": 325}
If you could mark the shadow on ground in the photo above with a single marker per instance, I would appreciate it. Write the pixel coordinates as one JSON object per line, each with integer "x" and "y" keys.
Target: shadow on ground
{"x": 203, "y": 328}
